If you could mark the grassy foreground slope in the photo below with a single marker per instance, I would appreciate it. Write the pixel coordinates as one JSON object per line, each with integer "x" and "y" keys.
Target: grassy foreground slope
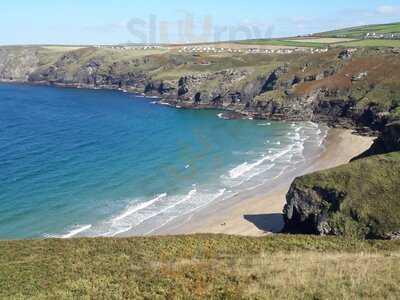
{"x": 201, "y": 266}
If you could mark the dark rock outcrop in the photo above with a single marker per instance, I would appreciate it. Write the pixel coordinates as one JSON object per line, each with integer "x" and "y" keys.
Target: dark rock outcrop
{"x": 388, "y": 141}
{"x": 307, "y": 210}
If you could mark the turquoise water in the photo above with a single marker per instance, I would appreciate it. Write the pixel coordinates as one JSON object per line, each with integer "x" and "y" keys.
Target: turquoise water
{"x": 101, "y": 163}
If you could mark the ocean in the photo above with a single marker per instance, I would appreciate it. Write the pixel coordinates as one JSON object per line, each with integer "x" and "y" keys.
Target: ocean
{"x": 77, "y": 162}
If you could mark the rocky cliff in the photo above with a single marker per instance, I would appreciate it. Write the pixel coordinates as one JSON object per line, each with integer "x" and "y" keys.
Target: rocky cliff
{"x": 342, "y": 88}
{"x": 17, "y": 63}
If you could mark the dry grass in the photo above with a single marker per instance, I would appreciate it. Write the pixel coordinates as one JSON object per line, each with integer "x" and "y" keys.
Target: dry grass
{"x": 199, "y": 267}
{"x": 379, "y": 69}
{"x": 337, "y": 81}
{"x": 318, "y": 275}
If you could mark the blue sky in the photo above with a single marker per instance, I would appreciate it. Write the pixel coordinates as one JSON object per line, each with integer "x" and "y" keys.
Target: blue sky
{"x": 119, "y": 21}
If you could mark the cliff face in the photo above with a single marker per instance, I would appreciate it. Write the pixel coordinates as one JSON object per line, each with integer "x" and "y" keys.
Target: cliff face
{"x": 17, "y": 63}
{"x": 341, "y": 88}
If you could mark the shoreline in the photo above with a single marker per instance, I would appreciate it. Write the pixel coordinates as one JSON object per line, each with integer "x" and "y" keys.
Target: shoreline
{"x": 259, "y": 212}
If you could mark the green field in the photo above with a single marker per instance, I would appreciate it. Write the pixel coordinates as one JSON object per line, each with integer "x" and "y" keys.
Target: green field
{"x": 201, "y": 266}
{"x": 335, "y": 38}
{"x": 284, "y": 42}
{"x": 324, "y": 42}
{"x": 361, "y": 31}
{"x": 321, "y": 40}
{"x": 371, "y": 43}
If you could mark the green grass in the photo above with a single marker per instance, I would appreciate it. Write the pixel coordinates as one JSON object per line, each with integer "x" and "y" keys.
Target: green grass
{"x": 198, "y": 267}
{"x": 371, "y": 43}
{"x": 320, "y": 40}
{"x": 361, "y": 31}
{"x": 287, "y": 43}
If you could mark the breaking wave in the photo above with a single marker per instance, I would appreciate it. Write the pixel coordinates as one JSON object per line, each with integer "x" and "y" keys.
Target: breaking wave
{"x": 143, "y": 217}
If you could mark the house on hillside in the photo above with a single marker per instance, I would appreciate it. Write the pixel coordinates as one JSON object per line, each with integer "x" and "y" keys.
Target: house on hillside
{"x": 383, "y": 36}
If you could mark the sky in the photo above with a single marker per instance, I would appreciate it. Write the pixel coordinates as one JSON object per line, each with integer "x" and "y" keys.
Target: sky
{"x": 178, "y": 21}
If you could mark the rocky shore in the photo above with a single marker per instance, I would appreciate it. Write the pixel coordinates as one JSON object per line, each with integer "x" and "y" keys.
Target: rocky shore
{"x": 342, "y": 88}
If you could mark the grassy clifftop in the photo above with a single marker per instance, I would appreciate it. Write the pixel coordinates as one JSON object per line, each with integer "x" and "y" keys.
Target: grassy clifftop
{"x": 360, "y": 199}
{"x": 198, "y": 267}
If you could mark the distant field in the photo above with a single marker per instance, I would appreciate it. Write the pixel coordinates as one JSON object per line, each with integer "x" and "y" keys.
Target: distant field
{"x": 322, "y": 40}
{"x": 325, "y": 42}
{"x": 361, "y": 31}
{"x": 372, "y": 43}
{"x": 287, "y": 43}
{"x": 63, "y": 48}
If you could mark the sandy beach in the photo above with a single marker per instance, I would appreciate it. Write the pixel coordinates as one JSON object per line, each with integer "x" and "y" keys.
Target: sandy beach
{"x": 260, "y": 213}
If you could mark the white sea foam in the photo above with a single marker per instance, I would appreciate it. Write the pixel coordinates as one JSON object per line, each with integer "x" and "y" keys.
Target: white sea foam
{"x": 222, "y": 116}
{"x": 76, "y": 231}
{"x": 276, "y": 161}
{"x": 150, "y": 216}
{"x": 184, "y": 199}
{"x": 170, "y": 219}
{"x": 141, "y": 213}
{"x": 210, "y": 199}
{"x": 246, "y": 167}
{"x": 120, "y": 231}
{"x": 138, "y": 207}
{"x": 289, "y": 155}
{"x": 164, "y": 103}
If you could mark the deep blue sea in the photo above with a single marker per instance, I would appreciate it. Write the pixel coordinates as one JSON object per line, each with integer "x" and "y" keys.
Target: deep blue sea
{"x": 102, "y": 163}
